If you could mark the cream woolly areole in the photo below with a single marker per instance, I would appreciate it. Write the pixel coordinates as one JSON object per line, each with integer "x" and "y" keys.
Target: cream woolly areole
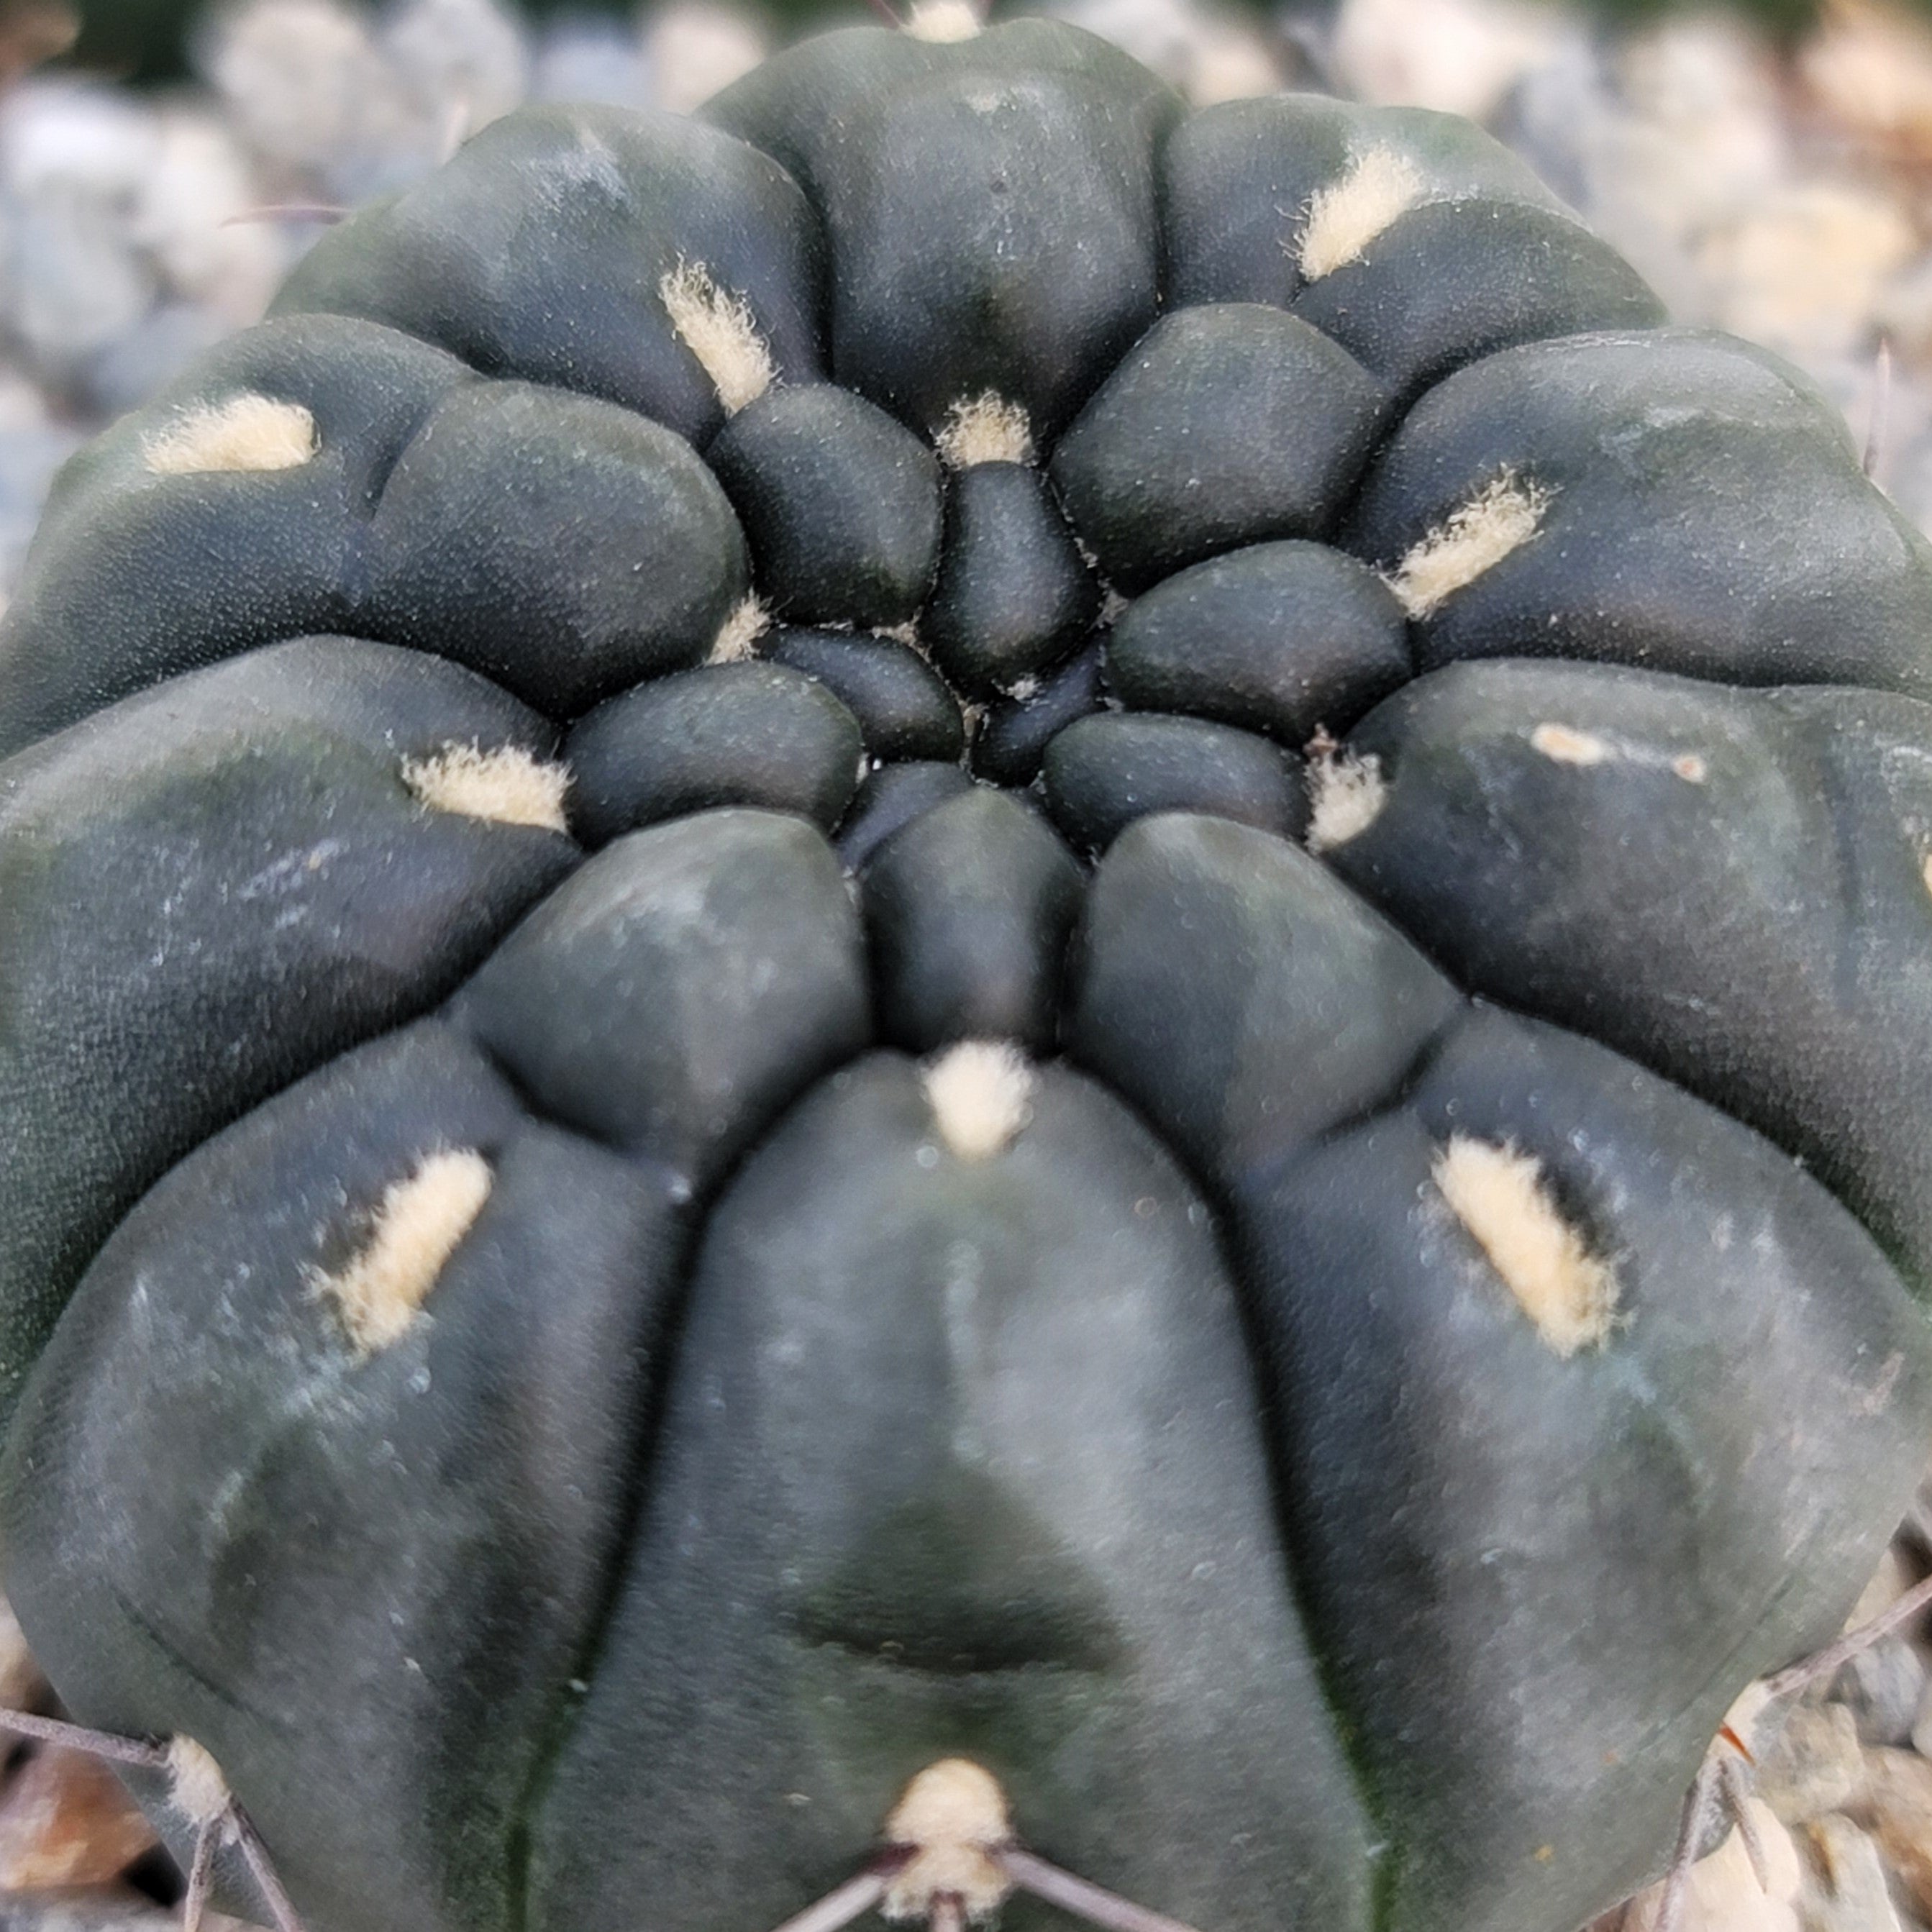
{"x": 717, "y": 328}
{"x": 738, "y": 636}
{"x": 942, "y": 20}
{"x": 246, "y": 432}
{"x": 418, "y": 1226}
{"x": 1566, "y": 746}
{"x": 1344, "y": 217}
{"x": 1499, "y": 1195}
{"x": 1346, "y": 794}
{"x": 985, "y": 428}
{"x": 955, "y": 1813}
{"x": 981, "y": 1095}
{"x": 198, "y": 1790}
{"x": 1500, "y": 517}
{"x": 507, "y": 786}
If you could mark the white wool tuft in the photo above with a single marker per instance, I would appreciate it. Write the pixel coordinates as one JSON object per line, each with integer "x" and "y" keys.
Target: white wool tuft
{"x": 509, "y": 786}
{"x": 1500, "y": 517}
{"x": 954, "y": 1814}
{"x": 939, "y": 20}
{"x": 718, "y": 329}
{"x": 981, "y": 1095}
{"x": 1346, "y": 793}
{"x": 199, "y": 1792}
{"x": 985, "y": 428}
{"x": 1925, "y": 871}
{"x": 1563, "y": 745}
{"x": 738, "y": 636}
{"x": 245, "y": 433}
{"x": 418, "y": 1226}
{"x": 1344, "y": 217}
{"x": 1499, "y": 1195}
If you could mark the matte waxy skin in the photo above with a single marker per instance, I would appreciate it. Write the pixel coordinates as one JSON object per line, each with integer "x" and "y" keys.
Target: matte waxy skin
{"x": 946, "y": 1566}
{"x": 182, "y": 870}
{"x": 905, "y": 708}
{"x": 1013, "y": 735}
{"x": 1678, "y": 556}
{"x": 721, "y": 734}
{"x": 1285, "y": 638}
{"x": 252, "y": 1522}
{"x": 1722, "y": 837}
{"x": 538, "y": 251}
{"x": 1227, "y": 424}
{"x": 968, "y": 914}
{"x": 958, "y": 918}
{"x": 841, "y": 505}
{"x": 1101, "y": 773}
{"x": 1015, "y": 595}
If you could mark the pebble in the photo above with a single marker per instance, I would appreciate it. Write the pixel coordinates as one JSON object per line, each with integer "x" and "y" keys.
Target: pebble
{"x": 1208, "y": 54}
{"x": 22, "y": 1686}
{"x": 1868, "y": 71}
{"x": 1904, "y": 312}
{"x": 183, "y": 215}
{"x": 307, "y": 89}
{"x": 1458, "y": 56}
{"x": 1884, "y": 1687}
{"x": 695, "y": 47}
{"x": 131, "y": 230}
{"x": 593, "y": 58}
{"x": 1813, "y": 1764}
{"x": 66, "y": 1819}
{"x": 112, "y": 210}
{"x": 463, "y": 63}
{"x": 1922, "y": 1725}
{"x": 1728, "y": 179}
{"x": 33, "y": 446}
{"x": 1898, "y": 1800}
{"x": 1659, "y": 141}
{"x": 124, "y": 373}
{"x": 91, "y": 1911}
{"x": 72, "y": 157}
{"x": 336, "y": 102}
{"x": 1725, "y": 1894}
{"x": 1805, "y": 270}
{"x": 1849, "y": 1893}
{"x": 115, "y": 1909}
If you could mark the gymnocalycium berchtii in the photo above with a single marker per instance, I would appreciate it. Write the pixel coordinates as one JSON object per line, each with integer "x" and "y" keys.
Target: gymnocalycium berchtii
{"x": 950, "y": 963}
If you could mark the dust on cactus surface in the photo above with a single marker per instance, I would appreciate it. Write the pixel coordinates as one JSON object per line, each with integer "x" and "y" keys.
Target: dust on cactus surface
{"x": 955, "y": 923}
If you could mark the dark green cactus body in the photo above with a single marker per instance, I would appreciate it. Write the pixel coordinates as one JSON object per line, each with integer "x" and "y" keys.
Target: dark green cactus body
{"x": 952, "y": 919}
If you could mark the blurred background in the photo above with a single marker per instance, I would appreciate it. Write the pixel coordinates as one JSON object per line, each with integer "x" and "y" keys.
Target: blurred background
{"x": 162, "y": 163}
